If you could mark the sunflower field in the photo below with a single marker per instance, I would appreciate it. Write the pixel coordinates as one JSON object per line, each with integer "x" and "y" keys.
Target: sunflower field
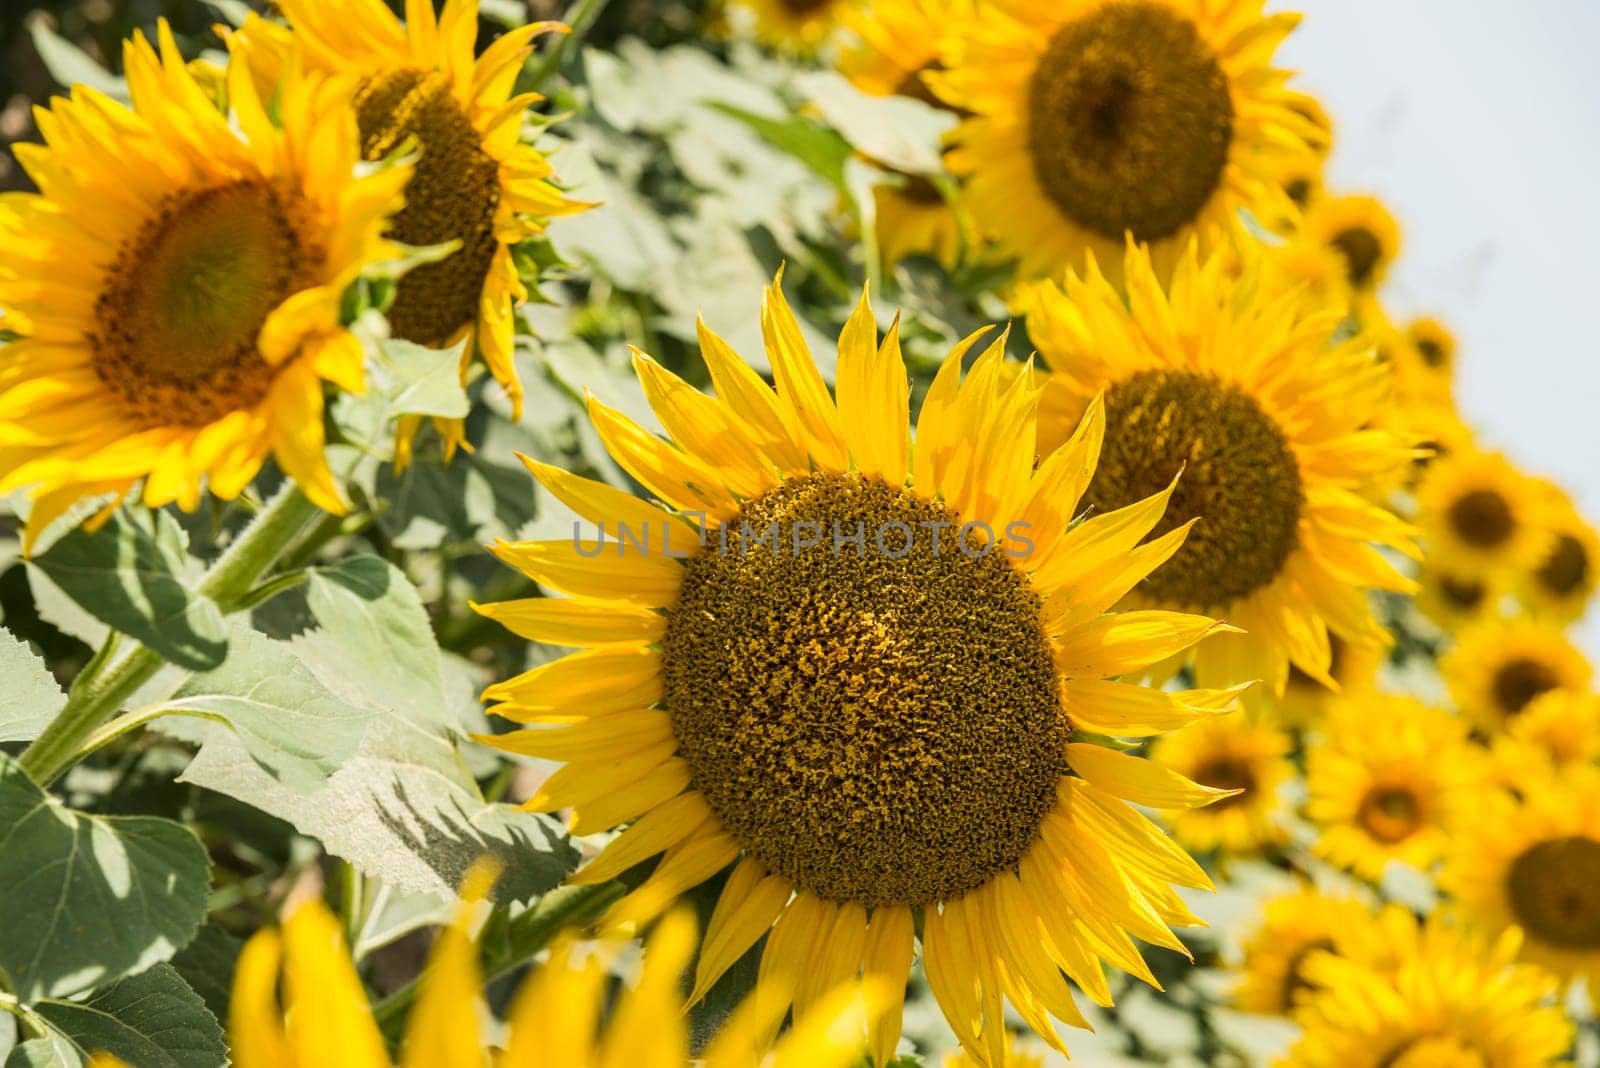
{"x": 795, "y": 533}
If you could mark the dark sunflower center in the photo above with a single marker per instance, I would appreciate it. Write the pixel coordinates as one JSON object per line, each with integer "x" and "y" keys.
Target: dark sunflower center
{"x": 1298, "y": 190}
{"x": 1227, "y": 773}
{"x": 1239, "y": 476}
{"x": 1566, "y": 569}
{"x": 176, "y": 325}
{"x": 452, "y": 196}
{"x": 1362, "y": 253}
{"x": 1390, "y": 813}
{"x": 1554, "y": 887}
{"x": 1432, "y": 352}
{"x": 1464, "y": 594}
{"x": 1519, "y": 681}
{"x": 1482, "y": 519}
{"x": 1294, "y": 980}
{"x": 805, "y": 8}
{"x": 1130, "y": 121}
{"x": 877, "y": 720}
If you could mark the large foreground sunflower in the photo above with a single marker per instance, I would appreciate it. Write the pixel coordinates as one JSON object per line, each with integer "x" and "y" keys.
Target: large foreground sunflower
{"x": 475, "y": 183}
{"x": 1236, "y": 753}
{"x": 1497, "y": 668}
{"x": 1534, "y": 863}
{"x": 1450, "y": 999}
{"x": 1394, "y": 792}
{"x": 830, "y": 679}
{"x": 1264, "y": 409}
{"x": 176, "y": 284}
{"x": 1097, "y": 119}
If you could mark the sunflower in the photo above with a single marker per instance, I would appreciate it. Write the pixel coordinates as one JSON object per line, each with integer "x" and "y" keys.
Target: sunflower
{"x": 796, "y": 25}
{"x": 1093, "y": 120}
{"x": 1557, "y": 732}
{"x": 1390, "y": 780}
{"x": 1292, "y": 928}
{"x": 1457, "y": 602}
{"x": 1363, "y": 233}
{"x": 1481, "y": 516}
{"x": 176, "y": 284}
{"x": 475, "y": 182}
{"x": 877, "y": 732}
{"x": 1498, "y": 667}
{"x": 1263, "y": 408}
{"x": 554, "y": 1019}
{"x": 1434, "y": 349}
{"x": 1354, "y": 668}
{"x": 1453, "y": 999}
{"x": 900, "y": 42}
{"x": 1562, "y": 583}
{"x": 1230, "y": 753}
{"x": 1534, "y": 863}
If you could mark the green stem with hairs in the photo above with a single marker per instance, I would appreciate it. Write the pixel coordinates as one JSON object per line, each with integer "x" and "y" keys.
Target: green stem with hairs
{"x": 96, "y": 699}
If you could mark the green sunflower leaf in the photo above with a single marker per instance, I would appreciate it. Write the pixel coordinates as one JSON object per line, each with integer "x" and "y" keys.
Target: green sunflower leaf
{"x": 32, "y": 696}
{"x": 415, "y": 380}
{"x": 128, "y": 575}
{"x": 153, "y": 1020}
{"x": 87, "y": 899}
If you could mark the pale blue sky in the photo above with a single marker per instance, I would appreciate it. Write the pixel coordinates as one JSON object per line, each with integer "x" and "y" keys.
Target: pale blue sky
{"x": 1477, "y": 123}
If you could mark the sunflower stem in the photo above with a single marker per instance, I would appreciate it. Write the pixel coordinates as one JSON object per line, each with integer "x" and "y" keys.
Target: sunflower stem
{"x": 578, "y": 18}
{"x": 97, "y": 699}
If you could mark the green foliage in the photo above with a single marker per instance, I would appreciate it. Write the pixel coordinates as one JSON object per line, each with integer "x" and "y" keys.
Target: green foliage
{"x": 89, "y": 899}
{"x": 32, "y": 697}
{"x": 153, "y": 1020}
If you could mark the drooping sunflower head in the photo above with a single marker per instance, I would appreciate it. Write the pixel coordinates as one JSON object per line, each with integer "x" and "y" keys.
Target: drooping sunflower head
{"x": 1390, "y": 780}
{"x": 177, "y": 282}
{"x": 1534, "y": 863}
{"x": 1562, "y": 583}
{"x": 475, "y": 185}
{"x": 1497, "y": 668}
{"x": 1362, "y": 231}
{"x": 1558, "y": 731}
{"x": 1094, "y": 120}
{"x": 858, "y": 674}
{"x": 1479, "y": 515}
{"x": 1231, "y": 753}
{"x": 1449, "y": 997}
{"x": 1293, "y": 928}
{"x": 1265, "y": 408}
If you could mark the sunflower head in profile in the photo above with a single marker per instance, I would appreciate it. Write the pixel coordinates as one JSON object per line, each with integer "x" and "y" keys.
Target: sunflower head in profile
{"x": 1499, "y": 667}
{"x": 299, "y": 1003}
{"x": 475, "y": 183}
{"x": 1264, "y": 407}
{"x": 1562, "y": 583}
{"x": 1479, "y": 515}
{"x": 859, "y": 677}
{"x": 1361, "y": 231}
{"x": 1447, "y": 997}
{"x": 901, "y": 41}
{"x": 1353, "y": 668}
{"x": 1236, "y": 753}
{"x": 1434, "y": 348}
{"x": 1096, "y": 120}
{"x": 1390, "y": 780}
{"x": 1534, "y": 863}
{"x": 176, "y": 284}
{"x": 1556, "y": 733}
{"x": 1293, "y": 928}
